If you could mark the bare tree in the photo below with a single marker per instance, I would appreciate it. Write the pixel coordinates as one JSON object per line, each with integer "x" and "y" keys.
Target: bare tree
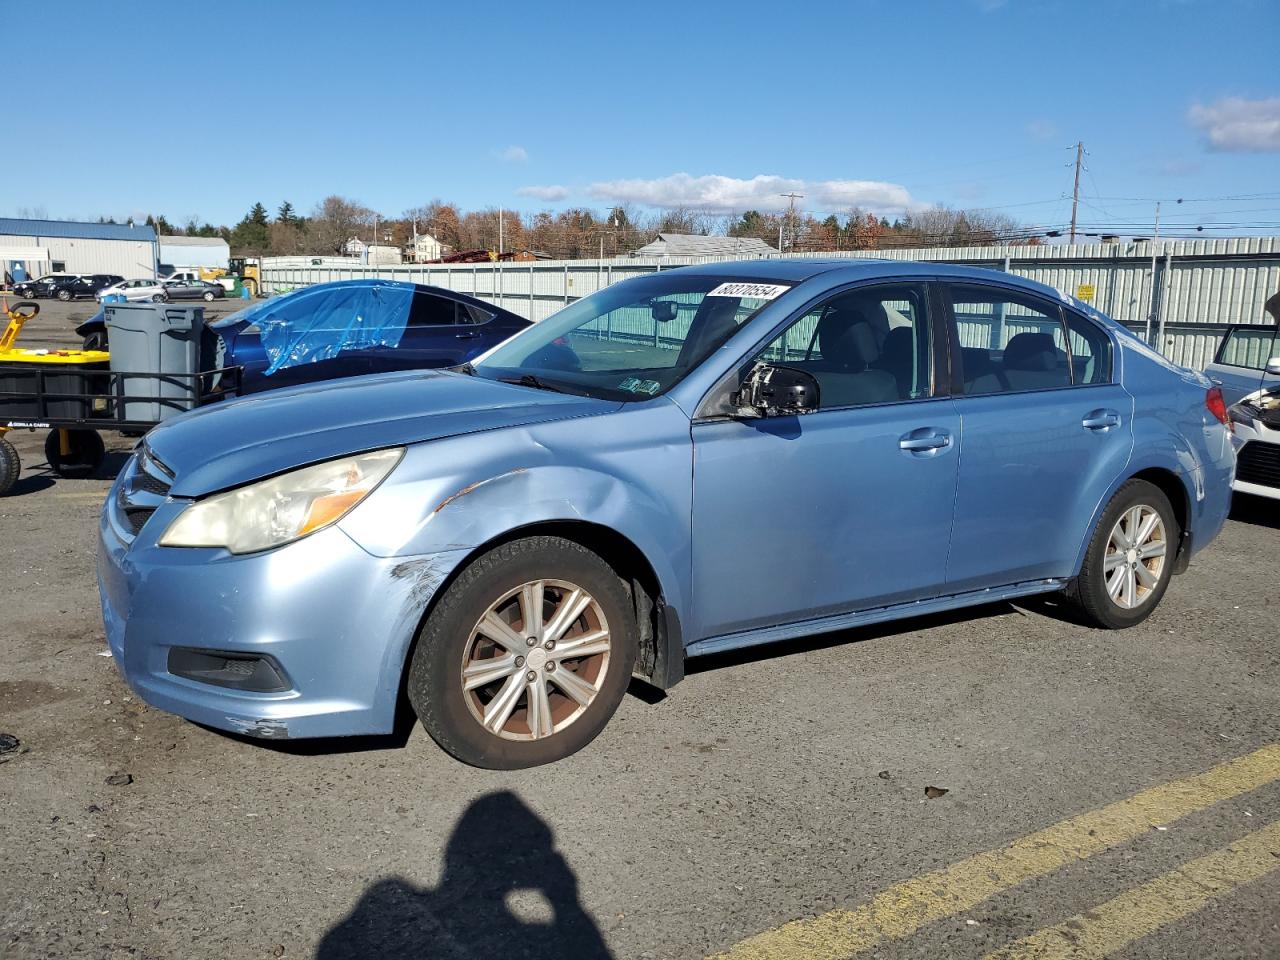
{"x": 335, "y": 220}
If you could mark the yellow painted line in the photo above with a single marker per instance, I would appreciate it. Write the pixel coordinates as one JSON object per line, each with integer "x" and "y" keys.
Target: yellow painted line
{"x": 905, "y": 907}
{"x": 1101, "y": 931}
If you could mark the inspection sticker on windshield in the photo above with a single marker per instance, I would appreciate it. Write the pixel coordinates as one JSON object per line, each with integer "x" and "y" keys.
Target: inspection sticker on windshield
{"x": 636, "y": 385}
{"x": 755, "y": 291}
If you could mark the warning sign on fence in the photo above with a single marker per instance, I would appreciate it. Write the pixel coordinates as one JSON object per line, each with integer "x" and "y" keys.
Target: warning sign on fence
{"x": 1086, "y": 292}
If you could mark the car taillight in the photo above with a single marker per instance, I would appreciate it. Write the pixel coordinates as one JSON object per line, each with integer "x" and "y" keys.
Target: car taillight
{"x": 1218, "y": 407}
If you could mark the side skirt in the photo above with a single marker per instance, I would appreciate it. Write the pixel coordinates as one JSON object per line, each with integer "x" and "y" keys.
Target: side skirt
{"x": 844, "y": 621}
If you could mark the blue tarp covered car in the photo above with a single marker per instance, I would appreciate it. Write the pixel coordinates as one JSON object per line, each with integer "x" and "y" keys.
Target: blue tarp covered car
{"x": 348, "y": 328}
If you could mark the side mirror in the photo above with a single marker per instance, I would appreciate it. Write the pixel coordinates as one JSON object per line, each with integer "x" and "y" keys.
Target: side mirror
{"x": 1273, "y": 366}
{"x": 775, "y": 391}
{"x": 663, "y": 311}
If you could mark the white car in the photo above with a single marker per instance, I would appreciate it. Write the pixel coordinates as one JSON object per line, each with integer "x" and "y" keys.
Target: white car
{"x": 1256, "y": 419}
{"x": 133, "y": 290}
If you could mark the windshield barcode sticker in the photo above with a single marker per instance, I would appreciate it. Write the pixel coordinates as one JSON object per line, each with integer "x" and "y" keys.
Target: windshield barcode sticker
{"x": 753, "y": 291}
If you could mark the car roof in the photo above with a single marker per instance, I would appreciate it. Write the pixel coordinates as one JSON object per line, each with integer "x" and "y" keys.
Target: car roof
{"x": 850, "y": 269}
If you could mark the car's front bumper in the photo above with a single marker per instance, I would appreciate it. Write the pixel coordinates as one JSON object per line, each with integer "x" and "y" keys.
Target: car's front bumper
{"x": 335, "y": 619}
{"x": 1258, "y": 470}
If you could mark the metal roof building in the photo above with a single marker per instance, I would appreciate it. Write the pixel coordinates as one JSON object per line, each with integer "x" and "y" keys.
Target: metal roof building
{"x": 695, "y": 245}
{"x": 186, "y": 253}
{"x": 36, "y": 247}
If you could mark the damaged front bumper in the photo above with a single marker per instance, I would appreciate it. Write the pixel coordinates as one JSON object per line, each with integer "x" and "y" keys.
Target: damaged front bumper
{"x": 307, "y": 640}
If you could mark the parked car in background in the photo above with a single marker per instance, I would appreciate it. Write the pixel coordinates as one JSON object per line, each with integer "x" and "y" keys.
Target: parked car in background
{"x": 33, "y": 289}
{"x": 1240, "y": 366}
{"x": 696, "y": 460}
{"x": 82, "y": 286}
{"x": 133, "y": 290}
{"x": 189, "y": 290}
{"x": 441, "y": 329}
{"x": 1257, "y": 439}
{"x": 72, "y": 286}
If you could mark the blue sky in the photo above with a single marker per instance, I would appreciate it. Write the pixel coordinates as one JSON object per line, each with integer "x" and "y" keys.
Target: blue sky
{"x": 546, "y": 105}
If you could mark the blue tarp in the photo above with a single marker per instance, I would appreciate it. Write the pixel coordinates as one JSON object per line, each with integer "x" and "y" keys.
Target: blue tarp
{"x": 319, "y": 322}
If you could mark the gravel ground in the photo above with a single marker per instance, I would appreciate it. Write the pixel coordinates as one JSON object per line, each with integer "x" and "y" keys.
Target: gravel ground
{"x": 768, "y": 786}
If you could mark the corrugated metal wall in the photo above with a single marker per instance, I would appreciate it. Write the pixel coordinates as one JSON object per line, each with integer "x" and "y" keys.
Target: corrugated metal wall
{"x": 1199, "y": 286}
{"x": 128, "y": 258}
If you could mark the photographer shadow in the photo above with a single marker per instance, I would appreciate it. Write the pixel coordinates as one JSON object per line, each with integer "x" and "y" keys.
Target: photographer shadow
{"x": 505, "y": 892}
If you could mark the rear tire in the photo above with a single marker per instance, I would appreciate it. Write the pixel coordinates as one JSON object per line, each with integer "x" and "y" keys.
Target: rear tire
{"x": 10, "y": 466}
{"x": 577, "y": 696}
{"x": 64, "y": 295}
{"x": 1127, "y": 567}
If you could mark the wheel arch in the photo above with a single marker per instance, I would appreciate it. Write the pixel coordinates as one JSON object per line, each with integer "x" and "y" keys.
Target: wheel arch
{"x": 94, "y": 324}
{"x": 1168, "y": 481}
{"x": 660, "y": 658}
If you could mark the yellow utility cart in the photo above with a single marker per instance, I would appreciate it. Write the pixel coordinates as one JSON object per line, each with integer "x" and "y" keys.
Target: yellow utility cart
{"x": 74, "y": 394}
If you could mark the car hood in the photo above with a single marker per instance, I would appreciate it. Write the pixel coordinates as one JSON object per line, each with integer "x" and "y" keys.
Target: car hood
{"x": 234, "y": 442}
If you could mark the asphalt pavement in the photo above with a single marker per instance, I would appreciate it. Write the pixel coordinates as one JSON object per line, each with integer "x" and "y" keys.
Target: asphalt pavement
{"x": 997, "y": 782}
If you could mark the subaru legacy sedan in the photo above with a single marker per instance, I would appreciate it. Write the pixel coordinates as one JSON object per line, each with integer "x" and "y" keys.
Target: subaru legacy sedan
{"x": 697, "y": 460}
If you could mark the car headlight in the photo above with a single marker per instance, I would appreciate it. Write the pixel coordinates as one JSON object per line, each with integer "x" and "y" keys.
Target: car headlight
{"x": 283, "y": 509}
{"x": 1243, "y": 413}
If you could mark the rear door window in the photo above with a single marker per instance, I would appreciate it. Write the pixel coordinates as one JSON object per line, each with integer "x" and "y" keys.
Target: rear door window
{"x": 429, "y": 310}
{"x": 1009, "y": 342}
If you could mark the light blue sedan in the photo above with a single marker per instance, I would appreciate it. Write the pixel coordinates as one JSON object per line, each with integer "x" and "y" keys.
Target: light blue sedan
{"x": 696, "y": 460}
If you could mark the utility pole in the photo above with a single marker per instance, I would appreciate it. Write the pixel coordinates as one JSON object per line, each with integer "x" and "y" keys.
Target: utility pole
{"x": 1155, "y": 243}
{"x": 500, "y": 250}
{"x": 791, "y": 217}
{"x": 1075, "y": 192}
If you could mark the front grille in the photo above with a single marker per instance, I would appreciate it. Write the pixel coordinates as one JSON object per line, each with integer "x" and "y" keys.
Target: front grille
{"x": 1259, "y": 463}
{"x": 143, "y": 489}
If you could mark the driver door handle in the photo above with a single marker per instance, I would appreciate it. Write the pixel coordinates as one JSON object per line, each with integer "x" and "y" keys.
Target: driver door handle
{"x": 925, "y": 438}
{"x": 469, "y": 335}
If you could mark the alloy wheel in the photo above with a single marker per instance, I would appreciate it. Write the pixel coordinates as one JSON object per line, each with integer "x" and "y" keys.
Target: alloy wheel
{"x": 1135, "y": 558}
{"x": 536, "y": 660}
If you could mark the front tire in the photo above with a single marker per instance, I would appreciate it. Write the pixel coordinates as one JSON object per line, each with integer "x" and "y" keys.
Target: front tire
{"x": 1129, "y": 563}
{"x": 526, "y": 656}
{"x": 208, "y": 296}
{"x": 159, "y": 298}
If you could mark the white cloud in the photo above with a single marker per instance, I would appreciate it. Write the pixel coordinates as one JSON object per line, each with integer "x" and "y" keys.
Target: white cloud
{"x": 717, "y": 194}
{"x": 1041, "y": 130}
{"x": 512, "y": 154}
{"x": 550, "y": 192}
{"x": 1236, "y": 124}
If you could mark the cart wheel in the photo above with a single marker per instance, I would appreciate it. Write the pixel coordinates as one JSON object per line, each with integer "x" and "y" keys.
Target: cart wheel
{"x": 10, "y": 466}
{"x": 96, "y": 340}
{"x": 85, "y": 452}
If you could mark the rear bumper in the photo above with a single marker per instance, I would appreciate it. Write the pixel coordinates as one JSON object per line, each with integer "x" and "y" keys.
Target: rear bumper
{"x": 337, "y": 620}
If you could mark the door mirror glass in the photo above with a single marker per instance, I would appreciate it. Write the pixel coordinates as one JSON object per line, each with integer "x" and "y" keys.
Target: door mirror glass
{"x": 1273, "y": 366}
{"x": 770, "y": 390}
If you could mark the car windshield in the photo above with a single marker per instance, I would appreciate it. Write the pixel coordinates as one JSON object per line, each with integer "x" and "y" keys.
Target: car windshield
{"x": 633, "y": 340}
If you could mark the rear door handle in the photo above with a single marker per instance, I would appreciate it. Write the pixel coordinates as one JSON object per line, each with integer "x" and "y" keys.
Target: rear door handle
{"x": 1101, "y": 420}
{"x": 924, "y": 439}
